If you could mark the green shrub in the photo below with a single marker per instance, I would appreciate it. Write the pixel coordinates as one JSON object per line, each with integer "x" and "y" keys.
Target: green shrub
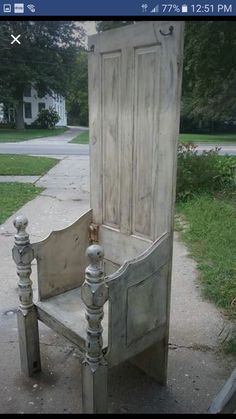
{"x": 48, "y": 118}
{"x": 206, "y": 172}
{"x": 7, "y": 125}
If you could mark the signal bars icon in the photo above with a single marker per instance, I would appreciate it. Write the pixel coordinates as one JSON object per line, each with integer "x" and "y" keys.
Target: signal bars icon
{"x": 155, "y": 9}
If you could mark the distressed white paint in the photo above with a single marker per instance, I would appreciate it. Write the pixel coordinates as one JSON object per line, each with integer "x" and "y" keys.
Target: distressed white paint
{"x": 134, "y": 99}
{"x": 26, "y": 315}
{"x": 138, "y": 302}
{"x": 65, "y": 313}
{"x": 61, "y": 258}
{"x": 134, "y": 83}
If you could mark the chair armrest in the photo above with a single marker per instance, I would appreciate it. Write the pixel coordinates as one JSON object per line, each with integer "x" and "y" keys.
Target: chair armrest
{"x": 138, "y": 301}
{"x": 61, "y": 260}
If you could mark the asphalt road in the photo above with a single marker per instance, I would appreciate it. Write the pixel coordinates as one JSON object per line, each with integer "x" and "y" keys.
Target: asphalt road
{"x": 45, "y": 150}
{"x": 225, "y": 148}
{"x": 67, "y": 149}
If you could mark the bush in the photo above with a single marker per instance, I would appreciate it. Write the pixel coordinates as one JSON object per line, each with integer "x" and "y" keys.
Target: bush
{"x": 206, "y": 172}
{"x": 7, "y": 125}
{"x": 33, "y": 125}
{"x": 48, "y": 118}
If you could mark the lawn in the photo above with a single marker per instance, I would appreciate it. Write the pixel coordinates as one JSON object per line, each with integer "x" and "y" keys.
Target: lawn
{"x": 206, "y": 220}
{"x": 185, "y": 138}
{"x": 211, "y": 239}
{"x": 13, "y": 196}
{"x": 82, "y": 138}
{"x": 208, "y": 138}
{"x": 18, "y": 165}
{"x": 13, "y": 135}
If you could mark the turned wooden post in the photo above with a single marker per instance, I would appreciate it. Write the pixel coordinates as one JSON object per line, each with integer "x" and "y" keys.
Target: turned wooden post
{"x": 94, "y": 368}
{"x": 23, "y": 255}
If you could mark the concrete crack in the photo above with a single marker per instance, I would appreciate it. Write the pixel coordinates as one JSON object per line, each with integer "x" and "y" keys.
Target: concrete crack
{"x": 195, "y": 347}
{"x": 53, "y": 197}
{"x": 6, "y": 234}
{"x": 34, "y": 183}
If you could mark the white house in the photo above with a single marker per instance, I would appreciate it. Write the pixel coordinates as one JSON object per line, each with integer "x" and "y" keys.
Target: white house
{"x": 33, "y": 105}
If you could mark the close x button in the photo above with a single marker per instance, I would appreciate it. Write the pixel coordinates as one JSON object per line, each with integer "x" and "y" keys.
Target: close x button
{"x": 15, "y": 39}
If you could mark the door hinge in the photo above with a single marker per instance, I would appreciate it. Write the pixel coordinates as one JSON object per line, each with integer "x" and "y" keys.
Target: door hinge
{"x": 93, "y": 233}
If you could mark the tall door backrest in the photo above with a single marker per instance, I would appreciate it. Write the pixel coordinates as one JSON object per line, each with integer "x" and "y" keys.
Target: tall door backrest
{"x": 134, "y": 102}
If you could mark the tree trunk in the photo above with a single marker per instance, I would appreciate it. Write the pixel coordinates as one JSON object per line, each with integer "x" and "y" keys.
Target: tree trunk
{"x": 19, "y": 115}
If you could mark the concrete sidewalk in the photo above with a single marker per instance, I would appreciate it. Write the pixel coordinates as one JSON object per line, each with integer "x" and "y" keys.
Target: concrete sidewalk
{"x": 64, "y": 138}
{"x": 197, "y": 368}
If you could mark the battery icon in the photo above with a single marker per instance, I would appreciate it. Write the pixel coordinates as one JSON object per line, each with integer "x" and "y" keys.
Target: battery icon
{"x": 184, "y": 8}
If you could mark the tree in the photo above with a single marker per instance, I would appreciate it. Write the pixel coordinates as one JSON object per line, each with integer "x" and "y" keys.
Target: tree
{"x": 209, "y": 77}
{"x": 77, "y": 98}
{"x": 45, "y": 58}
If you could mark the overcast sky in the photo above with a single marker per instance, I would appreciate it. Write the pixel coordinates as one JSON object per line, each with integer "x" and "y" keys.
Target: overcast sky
{"x": 90, "y": 27}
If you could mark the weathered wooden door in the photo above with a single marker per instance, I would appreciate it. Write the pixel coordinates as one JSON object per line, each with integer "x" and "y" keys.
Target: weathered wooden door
{"x": 134, "y": 98}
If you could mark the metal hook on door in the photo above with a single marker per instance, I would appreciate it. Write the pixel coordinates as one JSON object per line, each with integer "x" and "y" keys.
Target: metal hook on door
{"x": 171, "y": 29}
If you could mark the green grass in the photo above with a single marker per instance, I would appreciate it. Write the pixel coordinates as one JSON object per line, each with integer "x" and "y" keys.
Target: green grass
{"x": 25, "y": 165}
{"x": 14, "y": 135}
{"x": 230, "y": 345}
{"x": 82, "y": 138}
{"x": 13, "y": 196}
{"x": 211, "y": 239}
{"x": 185, "y": 138}
{"x": 208, "y": 138}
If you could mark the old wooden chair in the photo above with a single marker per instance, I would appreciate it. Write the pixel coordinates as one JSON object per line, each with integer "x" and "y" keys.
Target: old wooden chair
{"x": 121, "y": 310}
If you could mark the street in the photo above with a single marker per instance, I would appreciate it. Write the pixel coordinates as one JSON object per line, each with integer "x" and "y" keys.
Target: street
{"x": 225, "y": 148}
{"x": 45, "y": 149}
{"x": 61, "y": 147}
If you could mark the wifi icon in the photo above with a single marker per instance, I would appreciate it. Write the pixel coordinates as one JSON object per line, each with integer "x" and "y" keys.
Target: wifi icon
{"x": 31, "y": 8}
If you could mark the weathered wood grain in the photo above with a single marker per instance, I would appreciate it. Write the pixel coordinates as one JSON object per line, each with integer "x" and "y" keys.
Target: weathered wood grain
{"x": 134, "y": 101}
{"x": 23, "y": 255}
{"x": 94, "y": 293}
{"x": 135, "y": 79}
{"x": 65, "y": 313}
{"x": 61, "y": 258}
{"x": 137, "y": 302}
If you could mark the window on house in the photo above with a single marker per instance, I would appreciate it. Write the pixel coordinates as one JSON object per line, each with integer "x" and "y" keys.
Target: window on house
{"x": 27, "y": 91}
{"x": 41, "y": 106}
{"x": 28, "y": 110}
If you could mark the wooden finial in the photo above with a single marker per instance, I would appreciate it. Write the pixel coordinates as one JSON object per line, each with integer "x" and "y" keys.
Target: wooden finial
{"x": 21, "y": 223}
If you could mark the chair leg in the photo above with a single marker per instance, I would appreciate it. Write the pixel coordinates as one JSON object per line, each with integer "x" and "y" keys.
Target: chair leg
{"x": 153, "y": 361}
{"x": 94, "y": 294}
{"x": 23, "y": 254}
{"x": 28, "y": 341}
{"x": 94, "y": 388}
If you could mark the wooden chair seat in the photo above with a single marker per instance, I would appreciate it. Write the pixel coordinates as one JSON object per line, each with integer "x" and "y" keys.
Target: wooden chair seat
{"x": 65, "y": 314}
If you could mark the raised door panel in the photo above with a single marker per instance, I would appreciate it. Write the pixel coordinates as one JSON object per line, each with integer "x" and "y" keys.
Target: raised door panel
{"x": 111, "y": 82}
{"x": 146, "y": 93}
